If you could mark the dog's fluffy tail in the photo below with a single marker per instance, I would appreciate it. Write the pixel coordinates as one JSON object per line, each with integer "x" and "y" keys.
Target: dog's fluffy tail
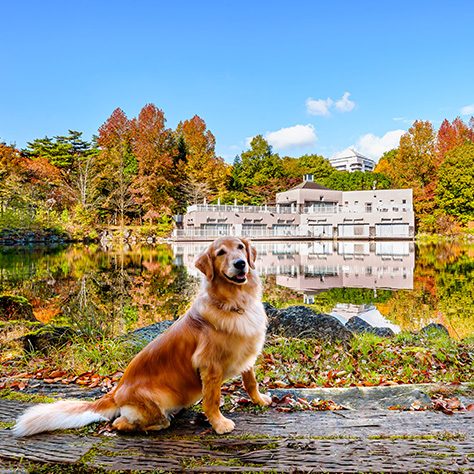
{"x": 64, "y": 415}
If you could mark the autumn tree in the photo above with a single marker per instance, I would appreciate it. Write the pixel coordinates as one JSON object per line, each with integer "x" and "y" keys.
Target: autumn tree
{"x": 451, "y": 135}
{"x": 154, "y": 148}
{"x": 117, "y": 164}
{"x": 455, "y": 191}
{"x": 384, "y": 164}
{"x": 10, "y": 187}
{"x": 205, "y": 174}
{"x": 414, "y": 166}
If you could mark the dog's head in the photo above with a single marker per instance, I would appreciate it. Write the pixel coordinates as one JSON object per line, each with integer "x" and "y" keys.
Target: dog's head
{"x": 228, "y": 258}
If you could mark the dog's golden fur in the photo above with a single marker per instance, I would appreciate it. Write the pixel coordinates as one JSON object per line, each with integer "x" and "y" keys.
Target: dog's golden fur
{"x": 219, "y": 337}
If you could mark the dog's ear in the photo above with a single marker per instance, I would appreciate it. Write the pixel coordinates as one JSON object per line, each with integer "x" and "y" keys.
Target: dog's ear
{"x": 204, "y": 264}
{"x": 251, "y": 253}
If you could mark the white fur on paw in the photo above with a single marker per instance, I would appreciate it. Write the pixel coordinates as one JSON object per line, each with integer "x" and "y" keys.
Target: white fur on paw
{"x": 224, "y": 425}
{"x": 265, "y": 400}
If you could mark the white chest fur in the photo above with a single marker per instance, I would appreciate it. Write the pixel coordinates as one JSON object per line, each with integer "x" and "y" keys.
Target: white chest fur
{"x": 239, "y": 336}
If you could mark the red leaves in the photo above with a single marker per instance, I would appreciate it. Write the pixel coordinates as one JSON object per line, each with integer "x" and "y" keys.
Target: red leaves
{"x": 448, "y": 406}
{"x": 291, "y": 403}
{"x": 87, "y": 379}
{"x": 453, "y": 135}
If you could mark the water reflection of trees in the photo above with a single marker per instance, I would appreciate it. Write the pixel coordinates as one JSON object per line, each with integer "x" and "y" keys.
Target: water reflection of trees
{"x": 116, "y": 291}
{"x": 443, "y": 291}
{"x": 97, "y": 291}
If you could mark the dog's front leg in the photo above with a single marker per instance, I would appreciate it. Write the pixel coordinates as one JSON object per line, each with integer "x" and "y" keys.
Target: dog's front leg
{"x": 251, "y": 386}
{"x": 211, "y": 379}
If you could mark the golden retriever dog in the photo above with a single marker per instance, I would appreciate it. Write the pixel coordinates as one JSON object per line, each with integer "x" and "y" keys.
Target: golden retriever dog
{"x": 219, "y": 337}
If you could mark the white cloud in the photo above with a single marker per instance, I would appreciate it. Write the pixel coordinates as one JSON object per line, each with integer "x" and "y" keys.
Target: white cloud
{"x": 374, "y": 147}
{"x": 468, "y": 110}
{"x": 344, "y": 104}
{"x": 322, "y": 107}
{"x": 318, "y": 107}
{"x": 292, "y": 137}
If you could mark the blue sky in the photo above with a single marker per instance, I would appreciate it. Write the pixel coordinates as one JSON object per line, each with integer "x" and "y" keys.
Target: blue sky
{"x": 311, "y": 76}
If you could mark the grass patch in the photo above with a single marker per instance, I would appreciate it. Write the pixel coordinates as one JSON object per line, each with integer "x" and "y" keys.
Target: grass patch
{"x": 102, "y": 356}
{"x": 441, "y": 436}
{"x": 8, "y": 394}
{"x": 367, "y": 360}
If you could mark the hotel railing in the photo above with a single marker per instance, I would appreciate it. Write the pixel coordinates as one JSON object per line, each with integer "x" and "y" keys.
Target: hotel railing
{"x": 233, "y": 208}
{"x": 244, "y": 233}
{"x": 294, "y": 209}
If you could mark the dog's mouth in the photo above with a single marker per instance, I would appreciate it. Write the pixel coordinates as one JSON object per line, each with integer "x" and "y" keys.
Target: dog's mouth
{"x": 238, "y": 278}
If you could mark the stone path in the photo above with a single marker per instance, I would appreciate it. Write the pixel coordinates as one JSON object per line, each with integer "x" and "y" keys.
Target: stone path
{"x": 366, "y": 439}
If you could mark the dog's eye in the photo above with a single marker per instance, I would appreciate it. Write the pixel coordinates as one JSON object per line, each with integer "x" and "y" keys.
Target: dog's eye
{"x": 240, "y": 247}
{"x": 221, "y": 252}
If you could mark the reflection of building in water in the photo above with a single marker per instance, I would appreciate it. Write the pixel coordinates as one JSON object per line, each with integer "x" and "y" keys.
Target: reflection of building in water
{"x": 321, "y": 266}
{"x": 313, "y": 267}
{"x": 349, "y": 310}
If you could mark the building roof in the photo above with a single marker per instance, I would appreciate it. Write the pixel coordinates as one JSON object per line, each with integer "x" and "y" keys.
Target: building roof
{"x": 350, "y": 153}
{"x": 310, "y": 185}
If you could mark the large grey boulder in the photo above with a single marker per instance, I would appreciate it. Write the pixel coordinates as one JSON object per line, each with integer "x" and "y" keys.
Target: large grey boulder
{"x": 359, "y": 326}
{"x": 143, "y": 336}
{"x": 434, "y": 330}
{"x": 303, "y": 322}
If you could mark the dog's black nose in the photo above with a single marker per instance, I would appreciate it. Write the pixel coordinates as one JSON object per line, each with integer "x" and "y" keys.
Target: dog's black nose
{"x": 240, "y": 264}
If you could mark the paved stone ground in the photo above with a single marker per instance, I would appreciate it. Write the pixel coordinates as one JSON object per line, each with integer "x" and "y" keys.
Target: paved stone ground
{"x": 367, "y": 438}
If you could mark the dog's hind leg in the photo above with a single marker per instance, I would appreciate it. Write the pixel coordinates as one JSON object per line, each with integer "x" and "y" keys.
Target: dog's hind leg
{"x": 164, "y": 423}
{"x": 133, "y": 418}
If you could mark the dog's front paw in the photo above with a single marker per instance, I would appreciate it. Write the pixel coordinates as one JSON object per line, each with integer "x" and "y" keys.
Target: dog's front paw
{"x": 264, "y": 400}
{"x": 223, "y": 425}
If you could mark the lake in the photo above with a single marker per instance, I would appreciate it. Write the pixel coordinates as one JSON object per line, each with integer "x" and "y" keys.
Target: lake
{"x": 401, "y": 285}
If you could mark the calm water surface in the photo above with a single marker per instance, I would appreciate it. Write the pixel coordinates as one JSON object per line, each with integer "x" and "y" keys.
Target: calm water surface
{"x": 114, "y": 290}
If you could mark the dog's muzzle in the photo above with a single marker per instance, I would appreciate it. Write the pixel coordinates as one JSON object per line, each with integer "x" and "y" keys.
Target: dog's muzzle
{"x": 238, "y": 272}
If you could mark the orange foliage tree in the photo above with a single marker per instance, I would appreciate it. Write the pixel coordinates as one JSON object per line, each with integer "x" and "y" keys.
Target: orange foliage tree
{"x": 414, "y": 166}
{"x": 206, "y": 175}
{"x": 451, "y": 135}
{"x": 155, "y": 151}
{"x": 117, "y": 164}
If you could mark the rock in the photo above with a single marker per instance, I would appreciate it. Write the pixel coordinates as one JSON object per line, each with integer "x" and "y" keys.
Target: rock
{"x": 46, "y": 337}
{"x": 359, "y": 326}
{"x": 28, "y": 238}
{"x": 434, "y": 330}
{"x": 15, "y": 308}
{"x": 270, "y": 310}
{"x": 303, "y": 322}
{"x": 145, "y": 335}
{"x": 364, "y": 398}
